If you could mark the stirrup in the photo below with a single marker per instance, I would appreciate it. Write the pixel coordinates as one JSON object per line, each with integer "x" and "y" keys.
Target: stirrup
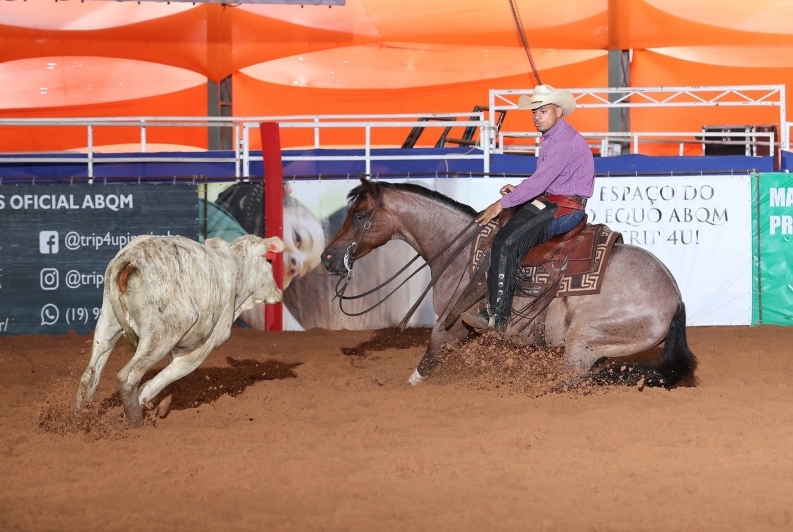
{"x": 479, "y": 321}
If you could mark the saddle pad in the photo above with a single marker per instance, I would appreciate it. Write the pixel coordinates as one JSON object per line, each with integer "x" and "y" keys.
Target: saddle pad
{"x": 585, "y": 280}
{"x": 482, "y": 242}
{"x": 533, "y": 279}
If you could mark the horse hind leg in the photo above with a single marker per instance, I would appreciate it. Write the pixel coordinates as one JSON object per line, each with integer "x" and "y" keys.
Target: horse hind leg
{"x": 677, "y": 362}
{"x": 583, "y": 368}
{"x": 587, "y": 346}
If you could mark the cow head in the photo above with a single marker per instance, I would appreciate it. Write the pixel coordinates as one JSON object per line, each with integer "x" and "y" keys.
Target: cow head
{"x": 255, "y": 283}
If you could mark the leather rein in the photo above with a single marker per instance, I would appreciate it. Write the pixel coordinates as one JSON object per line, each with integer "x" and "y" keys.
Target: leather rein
{"x": 349, "y": 259}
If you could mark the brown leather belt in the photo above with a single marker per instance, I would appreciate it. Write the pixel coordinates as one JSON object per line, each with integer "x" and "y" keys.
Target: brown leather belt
{"x": 567, "y": 204}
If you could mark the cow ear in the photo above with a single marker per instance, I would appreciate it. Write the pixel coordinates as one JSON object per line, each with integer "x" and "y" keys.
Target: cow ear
{"x": 273, "y": 245}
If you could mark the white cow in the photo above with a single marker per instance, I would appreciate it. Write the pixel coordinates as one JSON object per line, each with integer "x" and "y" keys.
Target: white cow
{"x": 172, "y": 295}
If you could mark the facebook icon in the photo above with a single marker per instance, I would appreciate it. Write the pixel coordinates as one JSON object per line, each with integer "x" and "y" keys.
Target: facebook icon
{"x": 48, "y": 242}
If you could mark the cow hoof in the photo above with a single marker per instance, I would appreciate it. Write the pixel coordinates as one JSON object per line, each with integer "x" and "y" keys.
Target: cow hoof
{"x": 135, "y": 418}
{"x": 164, "y": 407}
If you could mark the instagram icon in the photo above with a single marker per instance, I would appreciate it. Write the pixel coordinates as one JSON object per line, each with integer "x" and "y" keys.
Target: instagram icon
{"x": 49, "y": 279}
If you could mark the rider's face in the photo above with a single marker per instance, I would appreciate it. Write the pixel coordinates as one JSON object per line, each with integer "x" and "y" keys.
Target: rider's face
{"x": 546, "y": 117}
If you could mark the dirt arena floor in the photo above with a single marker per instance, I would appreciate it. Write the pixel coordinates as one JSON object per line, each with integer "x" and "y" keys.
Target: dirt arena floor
{"x": 319, "y": 430}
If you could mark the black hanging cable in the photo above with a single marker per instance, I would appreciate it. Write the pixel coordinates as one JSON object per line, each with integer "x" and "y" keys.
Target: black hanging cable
{"x": 523, "y": 40}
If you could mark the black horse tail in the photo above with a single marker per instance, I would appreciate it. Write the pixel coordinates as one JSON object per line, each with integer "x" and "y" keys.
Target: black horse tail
{"x": 677, "y": 360}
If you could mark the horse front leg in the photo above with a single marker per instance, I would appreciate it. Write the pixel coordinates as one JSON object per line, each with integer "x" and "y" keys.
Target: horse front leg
{"x": 440, "y": 341}
{"x": 429, "y": 362}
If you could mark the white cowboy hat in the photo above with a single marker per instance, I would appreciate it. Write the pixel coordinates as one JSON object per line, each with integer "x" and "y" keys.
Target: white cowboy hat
{"x": 545, "y": 94}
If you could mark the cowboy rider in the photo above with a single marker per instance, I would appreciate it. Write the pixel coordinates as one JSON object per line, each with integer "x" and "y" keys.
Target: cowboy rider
{"x": 548, "y": 203}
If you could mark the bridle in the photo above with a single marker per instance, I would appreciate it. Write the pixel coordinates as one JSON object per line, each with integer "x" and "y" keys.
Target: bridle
{"x": 349, "y": 259}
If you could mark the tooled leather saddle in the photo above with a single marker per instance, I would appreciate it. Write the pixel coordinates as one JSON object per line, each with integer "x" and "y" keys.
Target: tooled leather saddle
{"x": 573, "y": 261}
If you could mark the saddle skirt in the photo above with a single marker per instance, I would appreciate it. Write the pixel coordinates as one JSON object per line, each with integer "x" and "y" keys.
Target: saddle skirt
{"x": 570, "y": 264}
{"x": 579, "y": 255}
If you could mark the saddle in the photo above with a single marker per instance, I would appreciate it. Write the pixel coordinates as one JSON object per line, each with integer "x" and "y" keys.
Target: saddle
{"x": 581, "y": 252}
{"x": 570, "y": 264}
{"x": 576, "y": 247}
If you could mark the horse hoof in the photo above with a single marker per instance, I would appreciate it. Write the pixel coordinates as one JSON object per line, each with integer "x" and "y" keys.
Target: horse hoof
{"x": 416, "y": 378}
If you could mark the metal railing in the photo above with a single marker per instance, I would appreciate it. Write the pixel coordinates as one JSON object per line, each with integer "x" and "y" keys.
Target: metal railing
{"x": 610, "y": 144}
{"x": 662, "y": 97}
{"x": 490, "y": 139}
{"x": 241, "y": 127}
{"x": 433, "y": 121}
{"x": 788, "y": 129}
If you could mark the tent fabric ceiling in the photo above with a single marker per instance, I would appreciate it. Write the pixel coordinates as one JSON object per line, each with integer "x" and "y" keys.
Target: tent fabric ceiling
{"x": 443, "y": 54}
{"x": 62, "y": 81}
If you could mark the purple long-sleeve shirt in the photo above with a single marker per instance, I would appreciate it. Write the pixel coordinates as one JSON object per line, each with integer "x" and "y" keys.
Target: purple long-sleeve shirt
{"x": 565, "y": 167}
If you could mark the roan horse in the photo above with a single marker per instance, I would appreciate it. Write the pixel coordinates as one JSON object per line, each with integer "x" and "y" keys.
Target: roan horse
{"x": 639, "y": 305}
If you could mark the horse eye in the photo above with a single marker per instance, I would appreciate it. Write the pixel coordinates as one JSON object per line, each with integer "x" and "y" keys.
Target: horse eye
{"x": 359, "y": 216}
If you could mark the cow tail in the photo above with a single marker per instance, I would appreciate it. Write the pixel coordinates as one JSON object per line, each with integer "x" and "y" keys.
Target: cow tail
{"x": 123, "y": 277}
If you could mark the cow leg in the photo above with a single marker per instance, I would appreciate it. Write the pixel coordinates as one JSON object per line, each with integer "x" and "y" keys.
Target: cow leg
{"x": 106, "y": 334}
{"x": 180, "y": 366}
{"x": 149, "y": 352}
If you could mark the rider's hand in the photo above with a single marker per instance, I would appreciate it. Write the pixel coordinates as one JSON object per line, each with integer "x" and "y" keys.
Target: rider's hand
{"x": 488, "y": 214}
{"x": 506, "y": 189}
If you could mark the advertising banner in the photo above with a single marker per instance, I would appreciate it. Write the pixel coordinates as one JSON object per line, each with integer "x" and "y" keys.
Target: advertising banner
{"x": 772, "y": 194}
{"x": 699, "y": 227}
{"x": 58, "y": 239}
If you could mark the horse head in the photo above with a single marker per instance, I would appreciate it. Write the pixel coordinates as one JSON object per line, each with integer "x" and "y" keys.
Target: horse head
{"x": 365, "y": 228}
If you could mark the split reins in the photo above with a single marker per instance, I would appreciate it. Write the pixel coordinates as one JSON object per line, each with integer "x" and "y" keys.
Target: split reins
{"x": 349, "y": 259}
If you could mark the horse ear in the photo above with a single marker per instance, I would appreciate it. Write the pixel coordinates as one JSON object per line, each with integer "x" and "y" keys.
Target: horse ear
{"x": 367, "y": 185}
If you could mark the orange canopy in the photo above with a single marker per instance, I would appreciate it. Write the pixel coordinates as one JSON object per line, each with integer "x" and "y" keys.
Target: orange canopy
{"x": 100, "y": 58}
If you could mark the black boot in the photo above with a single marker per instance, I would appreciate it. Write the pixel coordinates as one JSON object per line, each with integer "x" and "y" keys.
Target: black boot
{"x": 480, "y": 321}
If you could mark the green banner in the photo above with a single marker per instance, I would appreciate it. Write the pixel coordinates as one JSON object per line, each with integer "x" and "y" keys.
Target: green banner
{"x": 772, "y": 252}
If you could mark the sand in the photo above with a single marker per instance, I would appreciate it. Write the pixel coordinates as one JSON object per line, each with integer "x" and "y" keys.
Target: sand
{"x": 319, "y": 430}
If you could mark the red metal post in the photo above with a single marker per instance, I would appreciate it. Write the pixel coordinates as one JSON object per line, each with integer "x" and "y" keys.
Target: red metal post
{"x": 273, "y": 211}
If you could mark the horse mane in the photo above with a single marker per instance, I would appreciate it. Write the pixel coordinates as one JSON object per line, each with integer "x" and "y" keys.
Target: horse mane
{"x": 355, "y": 194}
